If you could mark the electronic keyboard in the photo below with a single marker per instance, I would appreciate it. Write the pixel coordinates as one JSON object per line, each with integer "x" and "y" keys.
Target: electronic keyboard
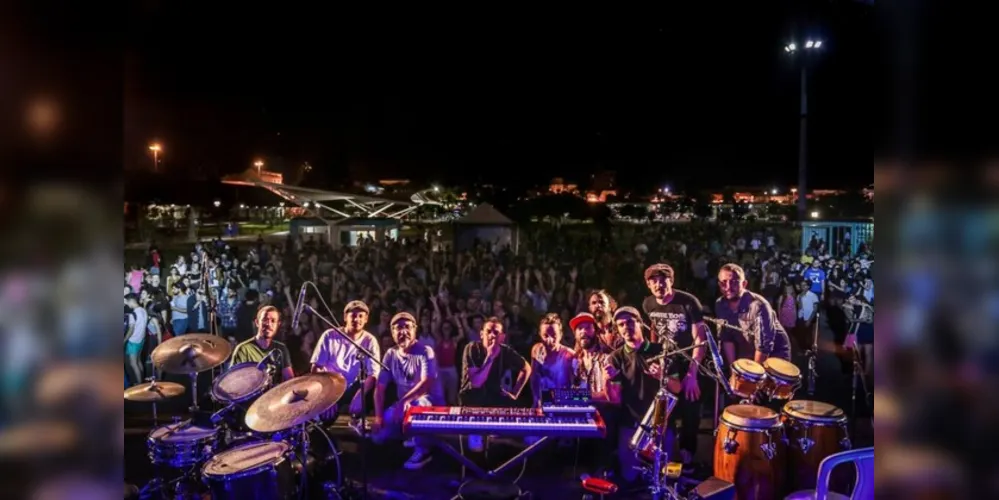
{"x": 552, "y": 421}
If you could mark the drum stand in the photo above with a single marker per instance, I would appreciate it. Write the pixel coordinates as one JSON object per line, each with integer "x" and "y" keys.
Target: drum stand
{"x": 812, "y": 354}
{"x": 858, "y": 374}
{"x": 194, "y": 394}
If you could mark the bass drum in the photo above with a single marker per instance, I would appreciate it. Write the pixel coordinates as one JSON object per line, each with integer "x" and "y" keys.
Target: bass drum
{"x": 750, "y": 452}
{"x": 815, "y": 430}
{"x": 253, "y": 471}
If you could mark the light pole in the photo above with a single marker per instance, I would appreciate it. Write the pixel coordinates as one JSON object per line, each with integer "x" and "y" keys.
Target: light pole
{"x": 156, "y": 148}
{"x": 259, "y": 164}
{"x": 802, "y": 53}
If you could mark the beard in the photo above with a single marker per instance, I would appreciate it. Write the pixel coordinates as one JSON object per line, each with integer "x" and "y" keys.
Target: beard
{"x": 587, "y": 342}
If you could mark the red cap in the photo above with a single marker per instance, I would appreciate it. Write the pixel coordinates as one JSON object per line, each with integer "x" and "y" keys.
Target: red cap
{"x": 580, "y": 319}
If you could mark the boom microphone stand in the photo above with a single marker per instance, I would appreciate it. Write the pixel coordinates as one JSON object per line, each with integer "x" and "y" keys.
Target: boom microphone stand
{"x": 362, "y": 355}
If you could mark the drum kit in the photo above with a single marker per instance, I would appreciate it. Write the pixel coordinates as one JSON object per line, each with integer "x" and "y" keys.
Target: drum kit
{"x": 256, "y": 446}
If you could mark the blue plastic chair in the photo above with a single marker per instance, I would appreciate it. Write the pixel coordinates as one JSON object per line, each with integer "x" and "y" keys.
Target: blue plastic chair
{"x": 863, "y": 460}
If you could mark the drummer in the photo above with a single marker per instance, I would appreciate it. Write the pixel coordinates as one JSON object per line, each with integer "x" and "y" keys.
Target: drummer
{"x": 263, "y": 345}
{"x": 763, "y": 336}
{"x": 334, "y": 354}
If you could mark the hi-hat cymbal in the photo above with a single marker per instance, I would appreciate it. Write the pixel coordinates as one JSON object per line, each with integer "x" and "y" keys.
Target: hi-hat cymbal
{"x": 191, "y": 353}
{"x": 153, "y": 392}
{"x": 295, "y": 402}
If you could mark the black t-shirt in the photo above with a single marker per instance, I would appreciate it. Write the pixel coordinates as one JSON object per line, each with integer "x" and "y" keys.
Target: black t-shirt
{"x": 502, "y": 375}
{"x": 675, "y": 320}
{"x": 638, "y": 389}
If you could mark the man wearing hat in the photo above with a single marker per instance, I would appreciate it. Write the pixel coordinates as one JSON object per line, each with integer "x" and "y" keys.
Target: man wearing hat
{"x": 634, "y": 368}
{"x": 589, "y": 369}
{"x": 333, "y": 353}
{"x": 412, "y": 366}
{"x": 677, "y": 321}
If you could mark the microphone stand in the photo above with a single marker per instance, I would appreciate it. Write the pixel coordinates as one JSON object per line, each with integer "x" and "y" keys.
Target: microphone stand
{"x": 362, "y": 355}
{"x": 811, "y": 354}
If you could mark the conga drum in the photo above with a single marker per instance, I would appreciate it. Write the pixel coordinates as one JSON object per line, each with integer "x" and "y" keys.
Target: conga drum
{"x": 750, "y": 452}
{"x": 747, "y": 378}
{"x": 814, "y": 431}
{"x": 783, "y": 379}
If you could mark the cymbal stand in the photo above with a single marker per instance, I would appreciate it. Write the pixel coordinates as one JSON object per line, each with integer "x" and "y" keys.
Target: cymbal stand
{"x": 152, "y": 387}
{"x": 194, "y": 393}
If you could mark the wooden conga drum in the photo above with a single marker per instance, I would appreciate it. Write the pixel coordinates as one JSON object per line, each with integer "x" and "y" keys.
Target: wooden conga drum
{"x": 814, "y": 431}
{"x": 750, "y": 452}
{"x": 747, "y": 378}
{"x": 783, "y": 379}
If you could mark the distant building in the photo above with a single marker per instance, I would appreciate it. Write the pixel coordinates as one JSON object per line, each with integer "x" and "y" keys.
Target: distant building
{"x": 772, "y": 195}
{"x": 559, "y": 186}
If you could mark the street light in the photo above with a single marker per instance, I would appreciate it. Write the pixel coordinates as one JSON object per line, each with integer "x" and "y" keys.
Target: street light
{"x": 811, "y": 46}
{"x": 259, "y": 164}
{"x": 156, "y": 148}
{"x": 217, "y": 203}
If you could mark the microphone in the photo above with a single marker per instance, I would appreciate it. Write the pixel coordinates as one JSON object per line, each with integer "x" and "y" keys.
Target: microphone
{"x": 716, "y": 357}
{"x": 299, "y": 306}
{"x": 275, "y": 354}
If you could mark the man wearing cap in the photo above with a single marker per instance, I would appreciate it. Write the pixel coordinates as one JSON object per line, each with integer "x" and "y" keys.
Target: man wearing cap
{"x": 589, "y": 370}
{"x": 333, "y": 353}
{"x": 677, "y": 321}
{"x": 412, "y": 365}
{"x": 632, "y": 366}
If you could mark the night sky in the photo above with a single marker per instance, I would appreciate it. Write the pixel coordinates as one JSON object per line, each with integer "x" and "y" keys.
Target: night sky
{"x": 690, "y": 96}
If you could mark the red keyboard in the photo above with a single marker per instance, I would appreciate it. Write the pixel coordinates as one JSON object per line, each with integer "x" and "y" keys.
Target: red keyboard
{"x": 571, "y": 422}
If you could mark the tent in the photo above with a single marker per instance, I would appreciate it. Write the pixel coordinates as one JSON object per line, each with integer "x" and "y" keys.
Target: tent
{"x": 488, "y": 226}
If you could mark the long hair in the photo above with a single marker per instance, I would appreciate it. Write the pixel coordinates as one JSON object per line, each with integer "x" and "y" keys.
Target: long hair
{"x": 611, "y": 302}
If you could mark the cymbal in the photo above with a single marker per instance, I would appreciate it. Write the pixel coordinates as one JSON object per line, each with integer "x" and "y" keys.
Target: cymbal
{"x": 153, "y": 392}
{"x": 191, "y": 353}
{"x": 295, "y": 402}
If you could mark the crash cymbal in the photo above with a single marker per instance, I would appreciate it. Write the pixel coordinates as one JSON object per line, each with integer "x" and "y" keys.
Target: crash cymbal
{"x": 295, "y": 402}
{"x": 191, "y": 353}
{"x": 153, "y": 392}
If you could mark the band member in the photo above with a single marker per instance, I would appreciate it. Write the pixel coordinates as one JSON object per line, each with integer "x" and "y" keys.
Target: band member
{"x": 602, "y": 307}
{"x": 761, "y": 335}
{"x": 677, "y": 320}
{"x": 334, "y": 354}
{"x": 639, "y": 376}
{"x": 263, "y": 346}
{"x": 412, "y": 365}
{"x": 485, "y": 364}
{"x": 551, "y": 361}
{"x": 589, "y": 370}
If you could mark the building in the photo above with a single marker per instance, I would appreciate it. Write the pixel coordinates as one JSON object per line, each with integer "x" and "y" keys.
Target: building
{"x": 559, "y": 186}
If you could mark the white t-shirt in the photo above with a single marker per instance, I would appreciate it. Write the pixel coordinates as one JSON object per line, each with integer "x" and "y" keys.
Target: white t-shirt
{"x": 334, "y": 354}
{"x": 407, "y": 369}
{"x": 806, "y": 305}
{"x": 138, "y": 321}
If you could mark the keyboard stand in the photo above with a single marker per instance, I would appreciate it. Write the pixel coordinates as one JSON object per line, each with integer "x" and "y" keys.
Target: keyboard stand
{"x": 495, "y": 473}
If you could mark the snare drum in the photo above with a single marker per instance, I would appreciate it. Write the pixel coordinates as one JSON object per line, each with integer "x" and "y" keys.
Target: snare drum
{"x": 241, "y": 383}
{"x": 181, "y": 444}
{"x": 814, "y": 430}
{"x": 783, "y": 379}
{"x": 750, "y": 452}
{"x": 747, "y": 377}
{"x": 261, "y": 470}
{"x": 643, "y": 442}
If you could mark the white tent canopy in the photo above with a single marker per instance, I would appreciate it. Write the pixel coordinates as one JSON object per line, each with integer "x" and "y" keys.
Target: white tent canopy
{"x": 486, "y": 214}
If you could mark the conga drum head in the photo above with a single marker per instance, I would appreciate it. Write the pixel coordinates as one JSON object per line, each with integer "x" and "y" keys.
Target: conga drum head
{"x": 815, "y": 412}
{"x": 781, "y": 369}
{"x": 246, "y": 458}
{"x": 749, "y": 369}
{"x": 240, "y": 383}
{"x": 750, "y": 417}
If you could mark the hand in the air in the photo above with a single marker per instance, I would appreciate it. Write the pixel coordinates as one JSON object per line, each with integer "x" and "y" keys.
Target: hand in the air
{"x": 691, "y": 389}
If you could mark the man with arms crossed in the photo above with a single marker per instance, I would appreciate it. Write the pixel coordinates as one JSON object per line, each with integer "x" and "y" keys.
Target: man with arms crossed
{"x": 762, "y": 336}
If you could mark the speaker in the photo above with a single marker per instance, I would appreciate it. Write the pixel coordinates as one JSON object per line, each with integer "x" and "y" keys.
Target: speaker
{"x": 713, "y": 489}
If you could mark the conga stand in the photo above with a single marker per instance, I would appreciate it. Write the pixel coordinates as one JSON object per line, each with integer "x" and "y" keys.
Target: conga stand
{"x": 812, "y": 354}
{"x": 858, "y": 374}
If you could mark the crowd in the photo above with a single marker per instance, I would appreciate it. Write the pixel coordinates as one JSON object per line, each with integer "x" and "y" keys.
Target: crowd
{"x": 450, "y": 293}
